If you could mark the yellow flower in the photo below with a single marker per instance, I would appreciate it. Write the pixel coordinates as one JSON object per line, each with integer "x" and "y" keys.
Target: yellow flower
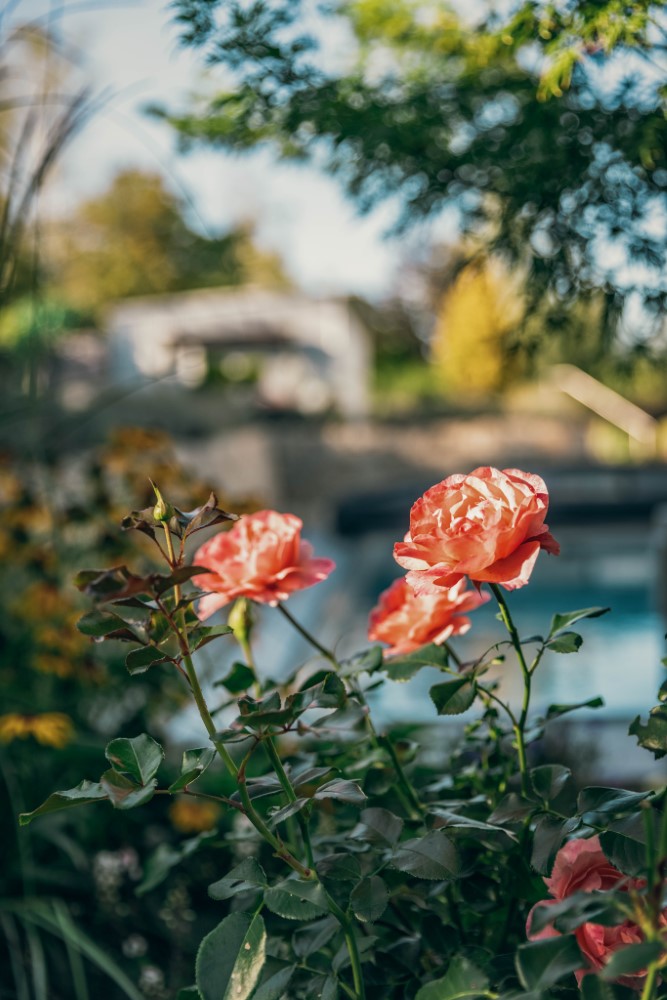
{"x": 47, "y": 663}
{"x": 188, "y": 816}
{"x": 51, "y": 729}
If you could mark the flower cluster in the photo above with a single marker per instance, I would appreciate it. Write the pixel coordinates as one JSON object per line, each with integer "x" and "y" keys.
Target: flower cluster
{"x": 495, "y": 815}
{"x": 487, "y": 526}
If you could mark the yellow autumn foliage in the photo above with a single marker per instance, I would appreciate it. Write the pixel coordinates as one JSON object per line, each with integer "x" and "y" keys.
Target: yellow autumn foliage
{"x": 476, "y": 314}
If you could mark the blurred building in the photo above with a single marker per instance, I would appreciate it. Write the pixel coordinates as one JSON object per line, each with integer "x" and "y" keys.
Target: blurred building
{"x": 308, "y": 355}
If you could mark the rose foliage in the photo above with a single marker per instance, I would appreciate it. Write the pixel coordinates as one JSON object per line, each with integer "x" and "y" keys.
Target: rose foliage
{"x": 354, "y": 873}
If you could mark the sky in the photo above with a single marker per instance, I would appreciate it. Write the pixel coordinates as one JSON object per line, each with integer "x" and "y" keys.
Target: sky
{"x": 132, "y": 49}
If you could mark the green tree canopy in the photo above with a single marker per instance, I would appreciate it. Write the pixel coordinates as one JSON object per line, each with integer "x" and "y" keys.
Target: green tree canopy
{"x": 545, "y": 131}
{"x": 135, "y": 239}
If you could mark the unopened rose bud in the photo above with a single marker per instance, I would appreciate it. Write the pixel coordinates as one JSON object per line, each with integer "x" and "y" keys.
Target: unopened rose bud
{"x": 162, "y": 511}
{"x": 241, "y": 619}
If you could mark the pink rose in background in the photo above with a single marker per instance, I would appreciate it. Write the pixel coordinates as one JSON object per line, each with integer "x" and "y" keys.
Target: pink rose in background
{"x": 407, "y": 621}
{"x": 581, "y": 866}
{"x": 262, "y": 557}
{"x": 488, "y": 526}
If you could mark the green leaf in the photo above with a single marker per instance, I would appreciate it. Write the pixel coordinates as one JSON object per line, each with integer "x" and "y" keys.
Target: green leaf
{"x": 342, "y": 789}
{"x": 245, "y": 876}
{"x": 204, "y": 634}
{"x": 567, "y": 618}
{"x": 165, "y": 857}
{"x": 100, "y": 623}
{"x": 458, "y": 821}
{"x": 634, "y": 958}
{"x": 138, "y": 661}
{"x": 565, "y": 642}
{"x": 239, "y": 679}
{"x": 84, "y": 793}
{"x": 606, "y": 908}
{"x": 624, "y": 843}
{"x": 541, "y": 964}
{"x": 547, "y": 839}
{"x": 274, "y": 988}
{"x": 339, "y": 867}
{"x": 593, "y": 988}
{"x": 511, "y": 809}
{"x": 231, "y": 958}
{"x": 297, "y": 900}
{"x": 123, "y": 793}
{"x": 402, "y": 668}
{"x": 140, "y": 757}
{"x": 365, "y": 662}
{"x": 431, "y": 857}
{"x": 329, "y": 989}
{"x": 653, "y": 734}
{"x": 310, "y": 938}
{"x": 453, "y": 697}
{"x": 379, "y": 826}
{"x": 188, "y": 993}
{"x": 463, "y": 980}
{"x": 291, "y": 809}
{"x": 554, "y": 711}
{"x": 608, "y": 801}
{"x": 369, "y": 899}
{"x": 193, "y": 766}
{"x": 549, "y": 780}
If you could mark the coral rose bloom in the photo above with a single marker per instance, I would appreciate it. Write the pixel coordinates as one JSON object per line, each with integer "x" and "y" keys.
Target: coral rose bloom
{"x": 407, "y": 621}
{"x": 488, "y": 526}
{"x": 263, "y": 558}
{"x": 581, "y": 866}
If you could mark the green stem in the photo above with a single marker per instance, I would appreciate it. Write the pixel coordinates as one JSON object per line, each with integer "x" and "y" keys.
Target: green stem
{"x": 278, "y": 767}
{"x": 262, "y": 828}
{"x": 182, "y": 637}
{"x": 519, "y": 725}
{"x": 250, "y": 661}
{"x": 405, "y": 791}
{"x": 203, "y": 708}
{"x": 651, "y": 981}
{"x": 326, "y": 653}
{"x": 336, "y": 911}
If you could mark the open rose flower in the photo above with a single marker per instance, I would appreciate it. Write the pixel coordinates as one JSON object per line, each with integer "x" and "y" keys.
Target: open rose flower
{"x": 407, "y": 621}
{"x": 581, "y": 866}
{"x": 488, "y": 526}
{"x": 263, "y": 558}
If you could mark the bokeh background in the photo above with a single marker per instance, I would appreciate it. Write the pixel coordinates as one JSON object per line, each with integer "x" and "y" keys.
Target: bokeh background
{"x": 315, "y": 257}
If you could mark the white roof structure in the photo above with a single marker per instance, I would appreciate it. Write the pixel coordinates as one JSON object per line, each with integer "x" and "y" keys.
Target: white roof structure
{"x": 315, "y": 352}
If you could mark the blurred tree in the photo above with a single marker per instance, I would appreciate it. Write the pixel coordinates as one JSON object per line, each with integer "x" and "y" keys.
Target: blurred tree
{"x": 134, "y": 240}
{"x": 567, "y": 186}
{"x": 477, "y": 313}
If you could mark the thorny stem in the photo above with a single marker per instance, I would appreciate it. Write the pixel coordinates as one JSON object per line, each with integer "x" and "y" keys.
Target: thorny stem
{"x": 405, "y": 791}
{"x": 520, "y": 724}
{"x": 235, "y": 772}
{"x": 335, "y": 910}
{"x": 278, "y": 767}
{"x": 191, "y": 673}
{"x": 261, "y": 827}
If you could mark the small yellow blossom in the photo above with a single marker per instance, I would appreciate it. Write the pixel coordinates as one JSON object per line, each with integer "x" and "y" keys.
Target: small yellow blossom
{"x": 192, "y": 816}
{"x": 51, "y": 729}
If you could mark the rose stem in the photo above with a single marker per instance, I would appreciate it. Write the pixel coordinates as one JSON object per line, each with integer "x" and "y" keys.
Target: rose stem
{"x": 404, "y": 789}
{"x": 519, "y": 727}
{"x": 270, "y": 747}
{"x": 235, "y": 772}
{"x": 336, "y": 911}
